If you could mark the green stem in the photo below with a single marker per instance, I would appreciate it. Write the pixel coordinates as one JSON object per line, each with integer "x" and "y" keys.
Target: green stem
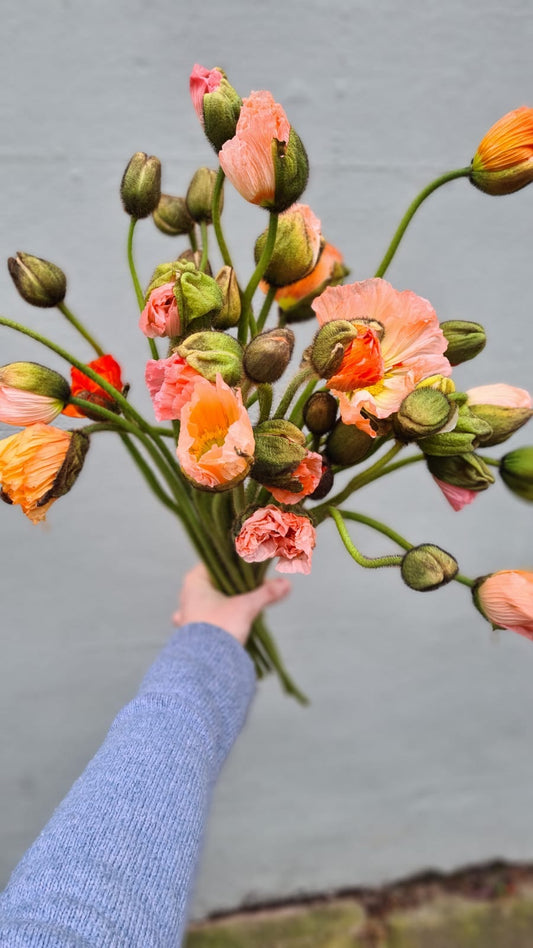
{"x": 149, "y": 475}
{"x": 80, "y": 328}
{"x": 264, "y": 392}
{"x": 205, "y": 246}
{"x": 494, "y": 462}
{"x": 374, "y": 562}
{"x": 215, "y": 214}
{"x": 261, "y": 633}
{"x": 265, "y": 309}
{"x": 410, "y": 212}
{"x": 379, "y": 526}
{"x": 263, "y": 262}
{"x": 360, "y": 480}
{"x": 136, "y": 284}
{"x": 461, "y": 578}
{"x": 291, "y": 390}
{"x": 296, "y": 415}
{"x": 193, "y": 241}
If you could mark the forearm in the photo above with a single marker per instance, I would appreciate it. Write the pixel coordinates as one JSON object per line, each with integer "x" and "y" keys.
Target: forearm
{"x": 115, "y": 864}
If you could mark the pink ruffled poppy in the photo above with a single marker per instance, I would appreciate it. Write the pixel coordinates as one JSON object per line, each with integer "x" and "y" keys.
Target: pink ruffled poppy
{"x": 504, "y": 396}
{"x": 379, "y": 369}
{"x": 19, "y": 407}
{"x": 216, "y": 441}
{"x": 271, "y": 532}
{"x": 201, "y": 82}
{"x": 309, "y": 473}
{"x": 506, "y": 599}
{"x": 246, "y": 159}
{"x": 171, "y": 384}
{"x": 160, "y": 316}
{"x": 457, "y": 497}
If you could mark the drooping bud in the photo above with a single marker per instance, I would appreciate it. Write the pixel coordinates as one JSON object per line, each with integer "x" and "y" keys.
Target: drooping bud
{"x": 347, "y": 444}
{"x": 172, "y": 217}
{"x": 199, "y": 197}
{"x": 31, "y": 393}
{"x": 296, "y": 249}
{"x": 216, "y": 103}
{"x": 503, "y": 162}
{"x": 140, "y": 188}
{"x": 465, "y": 340}
{"x": 462, "y": 470}
{"x": 279, "y": 449}
{"x": 38, "y": 281}
{"x": 329, "y": 345}
{"x": 212, "y": 354}
{"x": 427, "y": 567}
{"x": 516, "y": 469}
{"x": 267, "y": 355}
{"x": 230, "y": 313}
{"x": 423, "y": 412}
{"x": 320, "y": 412}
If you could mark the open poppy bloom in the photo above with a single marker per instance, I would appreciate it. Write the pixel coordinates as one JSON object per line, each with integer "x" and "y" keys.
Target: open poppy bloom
{"x": 506, "y": 599}
{"x": 271, "y": 532}
{"x": 399, "y": 343}
{"x": 81, "y": 386}
{"x": 33, "y": 467}
{"x": 216, "y": 440}
{"x": 503, "y": 162}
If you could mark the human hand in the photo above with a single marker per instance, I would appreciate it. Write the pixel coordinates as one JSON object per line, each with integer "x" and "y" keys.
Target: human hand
{"x": 199, "y": 601}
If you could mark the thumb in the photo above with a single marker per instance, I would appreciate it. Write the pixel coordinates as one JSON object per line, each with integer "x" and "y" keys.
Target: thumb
{"x": 271, "y": 591}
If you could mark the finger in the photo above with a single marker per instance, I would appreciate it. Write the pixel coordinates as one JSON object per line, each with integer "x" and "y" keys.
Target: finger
{"x": 271, "y": 591}
{"x": 176, "y": 617}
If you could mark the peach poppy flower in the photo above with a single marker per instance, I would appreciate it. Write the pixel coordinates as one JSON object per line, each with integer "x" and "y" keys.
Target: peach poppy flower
{"x": 82, "y": 386}
{"x": 216, "y": 442}
{"x": 160, "y": 316}
{"x": 329, "y": 266}
{"x": 506, "y": 599}
{"x": 246, "y": 159}
{"x": 309, "y": 473}
{"x": 271, "y": 532}
{"x": 503, "y": 162}
{"x": 170, "y": 383}
{"x": 201, "y": 82}
{"x": 457, "y": 497}
{"x": 30, "y": 462}
{"x": 380, "y": 368}
{"x": 501, "y": 395}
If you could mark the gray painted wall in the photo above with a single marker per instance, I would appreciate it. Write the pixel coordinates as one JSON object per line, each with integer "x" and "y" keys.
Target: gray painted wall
{"x": 416, "y": 750}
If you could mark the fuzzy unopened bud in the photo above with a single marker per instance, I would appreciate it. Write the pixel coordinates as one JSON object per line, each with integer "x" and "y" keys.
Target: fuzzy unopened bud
{"x": 329, "y": 346}
{"x": 462, "y": 470}
{"x": 140, "y": 188}
{"x": 296, "y": 248}
{"x": 38, "y": 281}
{"x": 230, "y": 313}
{"x": 279, "y": 449}
{"x": 320, "y": 412}
{"x": 347, "y": 444}
{"x": 212, "y": 354}
{"x": 516, "y": 469}
{"x": 291, "y": 168}
{"x": 423, "y": 412}
{"x": 267, "y": 356}
{"x": 216, "y": 102}
{"x": 172, "y": 217}
{"x": 198, "y": 296}
{"x": 467, "y": 434}
{"x": 199, "y": 196}
{"x": 32, "y": 377}
{"x": 465, "y": 340}
{"x": 326, "y": 481}
{"x": 502, "y": 421}
{"x": 427, "y": 567}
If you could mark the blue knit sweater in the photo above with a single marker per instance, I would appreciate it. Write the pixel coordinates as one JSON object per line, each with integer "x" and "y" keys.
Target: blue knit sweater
{"x": 114, "y": 867}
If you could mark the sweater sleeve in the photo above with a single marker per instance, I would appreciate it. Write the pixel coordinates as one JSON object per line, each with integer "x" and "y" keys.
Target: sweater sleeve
{"x": 114, "y": 867}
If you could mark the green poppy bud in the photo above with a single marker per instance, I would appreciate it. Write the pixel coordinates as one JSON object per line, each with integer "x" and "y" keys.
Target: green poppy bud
{"x": 38, "y": 281}
{"x": 465, "y": 340}
{"x": 427, "y": 567}
{"x": 329, "y": 346}
{"x": 347, "y": 444}
{"x": 516, "y": 469}
{"x": 172, "y": 217}
{"x": 198, "y": 296}
{"x": 140, "y": 188}
{"x": 296, "y": 249}
{"x": 279, "y": 449}
{"x": 463, "y": 470}
{"x": 267, "y": 355}
{"x": 230, "y": 313}
{"x": 212, "y": 354}
{"x": 320, "y": 412}
{"x": 199, "y": 197}
{"x": 32, "y": 377}
{"x": 503, "y": 422}
{"x": 291, "y": 170}
{"x": 423, "y": 412}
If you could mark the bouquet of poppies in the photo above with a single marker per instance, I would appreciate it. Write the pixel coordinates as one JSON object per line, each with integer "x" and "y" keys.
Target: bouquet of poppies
{"x": 251, "y": 467}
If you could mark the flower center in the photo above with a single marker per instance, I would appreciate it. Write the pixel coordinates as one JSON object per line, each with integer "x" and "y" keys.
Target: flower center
{"x": 362, "y": 364}
{"x": 205, "y": 441}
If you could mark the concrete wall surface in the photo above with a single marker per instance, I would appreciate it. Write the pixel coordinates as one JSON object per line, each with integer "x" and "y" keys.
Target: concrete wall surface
{"x": 415, "y": 751}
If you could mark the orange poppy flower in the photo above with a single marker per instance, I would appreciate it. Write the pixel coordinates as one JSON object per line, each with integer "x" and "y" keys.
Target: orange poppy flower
{"x": 503, "y": 162}
{"x": 82, "y": 386}
{"x": 31, "y": 463}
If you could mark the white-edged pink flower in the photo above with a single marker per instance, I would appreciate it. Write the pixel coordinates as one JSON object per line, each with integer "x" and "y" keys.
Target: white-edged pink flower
{"x": 160, "y": 316}
{"x": 271, "y": 532}
{"x": 379, "y": 369}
